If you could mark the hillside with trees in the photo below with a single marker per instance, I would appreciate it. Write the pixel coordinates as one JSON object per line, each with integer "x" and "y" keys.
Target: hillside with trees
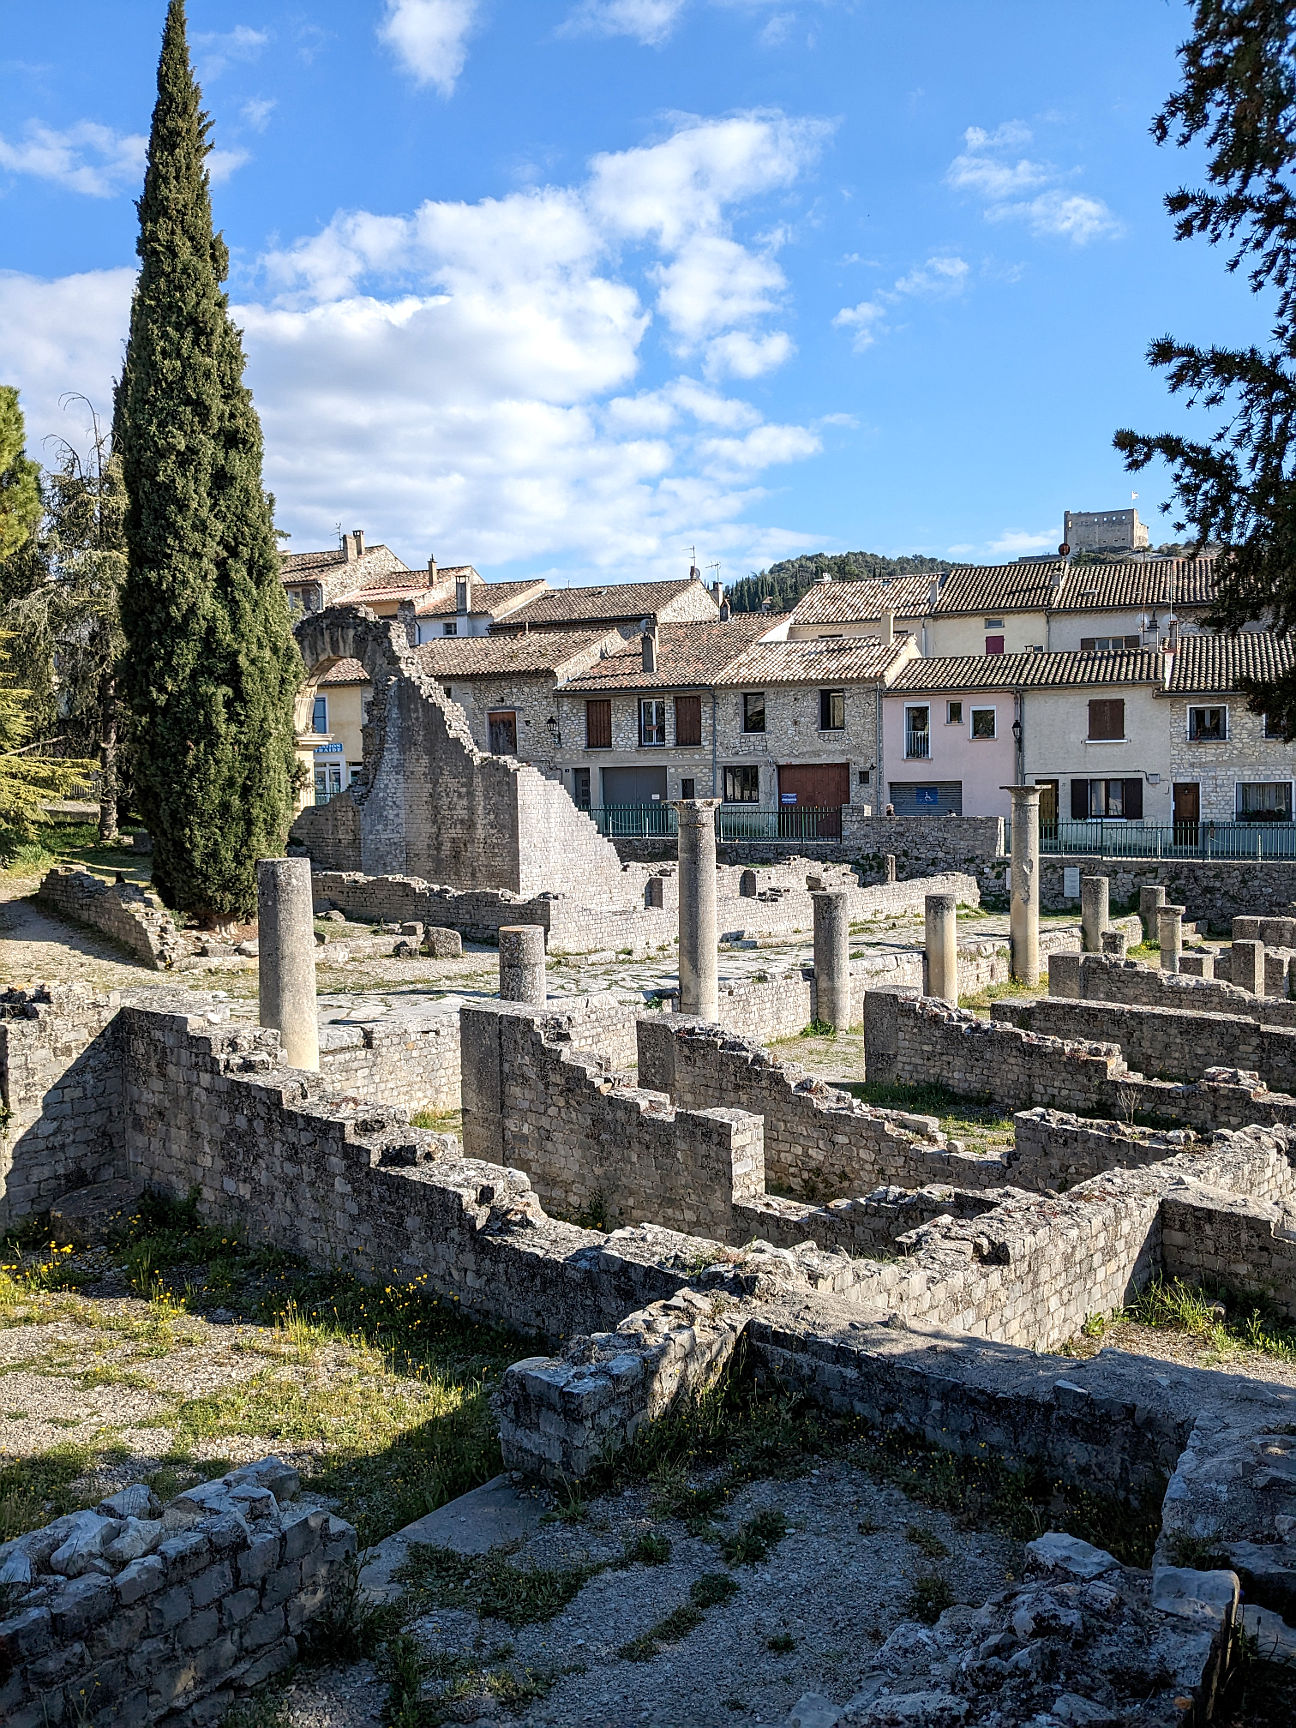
{"x": 783, "y": 584}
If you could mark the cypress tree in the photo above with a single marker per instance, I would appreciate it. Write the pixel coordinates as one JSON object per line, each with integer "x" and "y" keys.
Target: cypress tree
{"x": 210, "y": 666}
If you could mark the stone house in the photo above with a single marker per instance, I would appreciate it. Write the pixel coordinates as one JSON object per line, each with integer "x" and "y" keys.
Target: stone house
{"x": 1225, "y": 763}
{"x": 314, "y": 580}
{"x": 638, "y": 726}
{"x": 507, "y": 686}
{"x": 1085, "y": 726}
{"x": 617, "y": 605}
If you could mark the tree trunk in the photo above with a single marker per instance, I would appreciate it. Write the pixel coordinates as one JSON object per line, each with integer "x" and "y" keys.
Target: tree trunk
{"x": 108, "y": 761}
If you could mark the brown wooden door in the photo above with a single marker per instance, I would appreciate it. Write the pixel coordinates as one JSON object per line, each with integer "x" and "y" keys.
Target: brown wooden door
{"x": 1186, "y": 812}
{"x": 502, "y": 724}
{"x": 821, "y": 786}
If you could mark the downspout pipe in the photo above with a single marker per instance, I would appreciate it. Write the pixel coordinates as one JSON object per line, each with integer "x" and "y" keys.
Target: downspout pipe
{"x": 714, "y": 791}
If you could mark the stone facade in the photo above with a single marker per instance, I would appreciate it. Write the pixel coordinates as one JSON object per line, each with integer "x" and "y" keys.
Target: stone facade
{"x": 1213, "y": 890}
{"x": 138, "y": 1613}
{"x": 1244, "y": 754}
{"x": 430, "y": 801}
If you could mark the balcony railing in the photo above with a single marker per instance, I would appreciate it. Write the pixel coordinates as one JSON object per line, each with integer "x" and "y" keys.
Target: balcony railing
{"x": 1113, "y": 839}
{"x": 733, "y": 822}
{"x": 917, "y": 744}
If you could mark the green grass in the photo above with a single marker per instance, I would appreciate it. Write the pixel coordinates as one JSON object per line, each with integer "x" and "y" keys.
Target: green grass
{"x": 708, "y": 1591}
{"x": 387, "y": 1384}
{"x": 755, "y": 1539}
{"x": 1008, "y": 990}
{"x": 928, "y": 1598}
{"x": 979, "y": 1122}
{"x": 439, "y": 1121}
{"x": 63, "y": 841}
{"x": 1223, "y": 1318}
{"x": 490, "y": 1584}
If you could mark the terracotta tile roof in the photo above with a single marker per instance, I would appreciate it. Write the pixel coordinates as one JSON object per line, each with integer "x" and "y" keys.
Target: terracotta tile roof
{"x": 543, "y": 651}
{"x": 994, "y": 588}
{"x": 493, "y": 597}
{"x": 377, "y": 565}
{"x": 687, "y": 655}
{"x": 1126, "y": 587}
{"x": 345, "y": 672}
{"x": 849, "y": 660}
{"x": 627, "y": 601}
{"x": 862, "y": 602}
{"x": 1217, "y": 664}
{"x": 1052, "y": 585}
{"x": 1029, "y": 671}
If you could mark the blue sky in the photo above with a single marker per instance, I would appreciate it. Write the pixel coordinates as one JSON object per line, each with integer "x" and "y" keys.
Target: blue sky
{"x": 571, "y": 286}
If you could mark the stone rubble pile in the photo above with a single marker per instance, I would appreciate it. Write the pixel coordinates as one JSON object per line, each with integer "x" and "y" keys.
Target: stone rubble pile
{"x": 1083, "y": 1642}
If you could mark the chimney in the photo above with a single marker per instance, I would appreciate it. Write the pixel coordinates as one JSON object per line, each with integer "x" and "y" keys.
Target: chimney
{"x": 464, "y": 593}
{"x": 888, "y": 626}
{"x": 717, "y": 593}
{"x": 725, "y": 611}
{"x": 357, "y": 534}
{"x": 649, "y": 643}
{"x": 432, "y": 572}
{"x": 933, "y": 593}
{"x": 349, "y": 548}
{"x": 1172, "y": 640}
{"x": 695, "y": 575}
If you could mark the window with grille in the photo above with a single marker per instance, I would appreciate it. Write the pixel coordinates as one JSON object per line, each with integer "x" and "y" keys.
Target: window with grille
{"x": 754, "y": 711}
{"x": 742, "y": 785}
{"x": 1106, "y": 719}
{"x": 917, "y": 733}
{"x": 1208, "y": 725}
{"x": 598, "y": 724}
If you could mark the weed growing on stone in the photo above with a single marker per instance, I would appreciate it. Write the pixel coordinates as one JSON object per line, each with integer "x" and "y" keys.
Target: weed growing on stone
{"x": 999, "y": 992}
{"x": 755, "y": 1538}
{"x": 927, "y": 1541}
{"x": 782, "y": 1643}
{"x": 928, "y": 1598}
{"x": 649, "y": 1549}
{"x": 697, "y": 1457}
{"x": 1223, "y": 1318}
{"x": 708, "y": 1591}
{"x": 818, "y": 1029}
{"x": 490, "y": 1584}
{"x": 979, "y": 1122}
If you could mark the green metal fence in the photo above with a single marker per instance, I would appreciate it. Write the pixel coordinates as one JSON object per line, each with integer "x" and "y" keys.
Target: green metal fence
{"x": 733, "y": 822}
{"x": 1224, "y": 840}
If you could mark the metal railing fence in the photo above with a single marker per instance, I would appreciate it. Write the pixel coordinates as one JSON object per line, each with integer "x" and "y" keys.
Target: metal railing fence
{"x": 1204, "y": 839}
{"x": 733, "y": 821}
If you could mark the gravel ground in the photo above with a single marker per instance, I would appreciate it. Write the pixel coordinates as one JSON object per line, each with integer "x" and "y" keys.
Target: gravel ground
{"x": 835, "y": 1586}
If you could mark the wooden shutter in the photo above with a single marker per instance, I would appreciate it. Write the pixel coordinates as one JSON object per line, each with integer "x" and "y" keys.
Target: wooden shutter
{"x": 1134, "y": 800}
{"x": 1079, "y": 800}
{"x": 1107, "y": 717}
{"x": 688, "y": 719}
{"x": 598, "y": 723}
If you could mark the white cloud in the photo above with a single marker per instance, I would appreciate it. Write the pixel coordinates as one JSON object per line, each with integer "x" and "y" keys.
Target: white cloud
{"x": 468, "y": 379}
{"x": 647, "y": 21}
{"x": 430, "y": 38}
{"x": 222, "y": 163}
{"x": 864, "y": 319}
{"x": 984, "y": 169}
{"x": 257, "y": 112}
{"x": 62, "y": 337}
{"x": 943, "y": 276}
{"x": 85, "y": 158}
{"x": 219, "y": 49}
{"x": 738, "y": 355}
{"x": 1014, "y": 541}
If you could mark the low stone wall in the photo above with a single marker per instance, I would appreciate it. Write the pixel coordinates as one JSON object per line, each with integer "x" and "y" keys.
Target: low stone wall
{"x": 1096, "y": 978}
{"x": 410, "y": 1062}
{"x": 593, "y": 1147}
{"x": 1169, "y": 1043}
{"x": 138, "y": 1613}
{"x": 819, "y": 1143}
{"x": 918, "y": 1040}
{"x": 920, "y": 845}
{"x": 867, "y": 1225}
{"x": 1243, "y": 1243}
{"x": 132, "y": 917}
{"x": 61, "y": 1088}
{"x": 1216, "y": 890}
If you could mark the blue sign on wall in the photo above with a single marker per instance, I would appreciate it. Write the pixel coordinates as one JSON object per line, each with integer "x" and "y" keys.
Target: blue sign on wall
{"x": 787, "y": 797}
{"x": 926, "y": 795}
{"x": 328, "y": 749}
